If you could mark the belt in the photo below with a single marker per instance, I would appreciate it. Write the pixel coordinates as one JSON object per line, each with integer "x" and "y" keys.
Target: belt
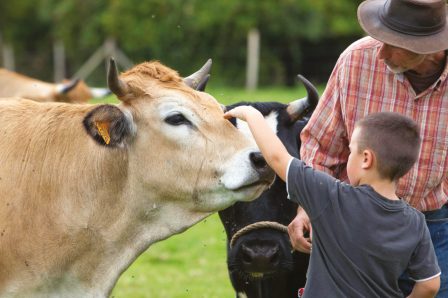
{"x": 441, "y": 213}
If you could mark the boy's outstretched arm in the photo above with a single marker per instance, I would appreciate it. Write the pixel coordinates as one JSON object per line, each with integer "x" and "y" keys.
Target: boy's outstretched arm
{"x": 270, "y": 145}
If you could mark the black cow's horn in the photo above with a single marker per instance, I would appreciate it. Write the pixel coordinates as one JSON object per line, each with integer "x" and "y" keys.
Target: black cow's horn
{"x": 299, "y": 107}
{"x": 117, "y": 86}
{"x": 199, "y": 79}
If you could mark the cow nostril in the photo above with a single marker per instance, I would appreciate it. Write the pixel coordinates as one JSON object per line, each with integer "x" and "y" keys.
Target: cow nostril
{"x": 247, "y": 254}
{"x": 257, "y": 160}
{"x": 260, "y": 258}
{"x": 274, "y": 258}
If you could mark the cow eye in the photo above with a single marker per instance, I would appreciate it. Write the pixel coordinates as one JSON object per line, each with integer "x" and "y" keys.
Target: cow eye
{"x": 177, "y": 119}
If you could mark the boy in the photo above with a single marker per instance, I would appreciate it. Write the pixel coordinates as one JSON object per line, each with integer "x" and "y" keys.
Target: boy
{"x": 364, "y": 236}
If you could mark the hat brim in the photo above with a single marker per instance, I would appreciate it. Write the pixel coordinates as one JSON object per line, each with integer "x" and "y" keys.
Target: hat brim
{"x": 368, "y": 16}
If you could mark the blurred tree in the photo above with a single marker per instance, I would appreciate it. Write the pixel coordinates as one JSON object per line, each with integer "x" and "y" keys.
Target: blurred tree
{"x": 78, "y": 24}
{"x": 21, "y": 27}
{"x": 183, "y": 33}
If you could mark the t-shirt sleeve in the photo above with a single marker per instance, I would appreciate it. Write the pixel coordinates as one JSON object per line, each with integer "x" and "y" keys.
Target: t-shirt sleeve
{"x": 423, "y": 264}
{"x": 310, "y": 188}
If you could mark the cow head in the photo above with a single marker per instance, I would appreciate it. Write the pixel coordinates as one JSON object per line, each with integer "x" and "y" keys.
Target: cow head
{"x": 177, "y": 133}
{"x": 260, "y": 260}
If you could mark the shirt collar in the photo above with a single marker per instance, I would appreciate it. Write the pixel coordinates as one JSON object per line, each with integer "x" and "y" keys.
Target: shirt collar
{"x": 443, "y": 77}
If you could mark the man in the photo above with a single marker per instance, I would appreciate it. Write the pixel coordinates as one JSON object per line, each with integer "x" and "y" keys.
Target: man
{"x": 402, "y": 67}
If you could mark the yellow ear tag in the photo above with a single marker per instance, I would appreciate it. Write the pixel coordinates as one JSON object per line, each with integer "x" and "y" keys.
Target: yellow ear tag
{"x": 103, "y": 129}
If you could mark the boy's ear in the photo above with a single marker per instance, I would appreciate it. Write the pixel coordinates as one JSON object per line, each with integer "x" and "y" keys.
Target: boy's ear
{"x": 368, "y": 159}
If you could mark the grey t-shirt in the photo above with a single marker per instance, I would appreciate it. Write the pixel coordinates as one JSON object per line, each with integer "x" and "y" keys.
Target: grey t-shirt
{"x": 362, "y": 242}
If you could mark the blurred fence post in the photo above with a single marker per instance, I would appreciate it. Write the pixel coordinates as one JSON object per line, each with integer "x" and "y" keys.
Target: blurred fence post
{"x": 1, "y": 49}
{"x": 7, "y": 54}
{"x": 107, "y": 49}
{"x": 253, "y": 59}
{"x": 59, "y": 61}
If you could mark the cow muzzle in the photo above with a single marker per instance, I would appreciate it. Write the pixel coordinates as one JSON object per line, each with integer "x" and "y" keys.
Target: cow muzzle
{"x": 265, "y": 173}
{"x": 246, "y": 171}
{"x": 256, "y": 256}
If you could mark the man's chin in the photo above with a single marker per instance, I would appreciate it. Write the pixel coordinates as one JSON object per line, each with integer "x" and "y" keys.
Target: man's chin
{"x": 396, "y": 69}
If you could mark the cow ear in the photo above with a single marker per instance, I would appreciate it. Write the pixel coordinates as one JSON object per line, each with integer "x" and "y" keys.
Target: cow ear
{"x": 108, "y": 125}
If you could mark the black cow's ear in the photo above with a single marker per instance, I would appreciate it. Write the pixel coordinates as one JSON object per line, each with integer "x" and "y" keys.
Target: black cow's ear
{"x": 108, "y": 125}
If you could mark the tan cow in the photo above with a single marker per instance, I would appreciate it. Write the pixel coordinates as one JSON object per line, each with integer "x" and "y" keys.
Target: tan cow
{"x": 85, "y": 189}
{"x": 13, "y": 84}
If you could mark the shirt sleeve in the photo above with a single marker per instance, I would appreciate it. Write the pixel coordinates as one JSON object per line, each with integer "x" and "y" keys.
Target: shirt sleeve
{"x": 313, "y": 190}
{"x": 324, "y": 138}
{"x": 423, "y": 264}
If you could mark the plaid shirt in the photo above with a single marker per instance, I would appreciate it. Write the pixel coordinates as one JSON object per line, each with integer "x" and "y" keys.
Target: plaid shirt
{"x": 361, "y": 84}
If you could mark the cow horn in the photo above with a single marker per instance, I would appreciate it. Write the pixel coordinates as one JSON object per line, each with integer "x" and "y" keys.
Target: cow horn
{"x": 117, "y": 86}
{"x": 67, "y": 87}
{"x": 199, "y": 79}
{"x": 298, "y": 108}
{"x": 203, "y": 83}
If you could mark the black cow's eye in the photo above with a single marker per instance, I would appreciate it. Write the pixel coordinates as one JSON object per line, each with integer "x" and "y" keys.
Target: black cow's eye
{"x": 177, "y": 119}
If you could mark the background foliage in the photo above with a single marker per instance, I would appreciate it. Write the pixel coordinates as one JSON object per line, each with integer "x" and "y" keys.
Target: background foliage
{"x": 297, "y": 36}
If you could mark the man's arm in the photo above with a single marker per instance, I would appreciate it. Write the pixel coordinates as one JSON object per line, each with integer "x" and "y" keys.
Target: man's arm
{"x": 324, "y": 148}
{"x": 269, "y": 144}
{"x": 324, "y": 139}
{"x": 426, "y": 289}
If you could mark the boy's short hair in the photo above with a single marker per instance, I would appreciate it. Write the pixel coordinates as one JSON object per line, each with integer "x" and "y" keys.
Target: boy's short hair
{"x": 394, "y": 139}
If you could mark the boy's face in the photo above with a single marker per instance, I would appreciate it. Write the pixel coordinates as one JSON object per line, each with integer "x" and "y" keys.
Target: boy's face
{"x": 355, "y": 159}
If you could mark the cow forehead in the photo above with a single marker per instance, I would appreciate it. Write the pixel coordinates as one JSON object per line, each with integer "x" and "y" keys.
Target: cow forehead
{"x": 196, "y": 104}
{"x": 271, "y": 119}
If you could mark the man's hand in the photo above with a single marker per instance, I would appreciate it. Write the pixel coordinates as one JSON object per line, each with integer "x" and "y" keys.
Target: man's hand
{"x": 296, "y": 230}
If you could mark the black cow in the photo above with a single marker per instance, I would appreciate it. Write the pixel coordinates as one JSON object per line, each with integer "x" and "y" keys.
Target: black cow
{"x": 260, "y": 259}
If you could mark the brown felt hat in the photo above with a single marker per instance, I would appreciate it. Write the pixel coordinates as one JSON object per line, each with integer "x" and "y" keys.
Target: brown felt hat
{"x": 420, "y": 26}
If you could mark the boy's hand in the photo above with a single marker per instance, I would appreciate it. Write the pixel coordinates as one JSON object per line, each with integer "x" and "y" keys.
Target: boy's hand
{"x": 240, "y": 112}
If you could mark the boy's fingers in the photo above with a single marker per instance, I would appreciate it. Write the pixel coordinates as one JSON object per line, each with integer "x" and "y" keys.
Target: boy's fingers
{"x": 236, "y": 112}
{"x": 239, "y": 112}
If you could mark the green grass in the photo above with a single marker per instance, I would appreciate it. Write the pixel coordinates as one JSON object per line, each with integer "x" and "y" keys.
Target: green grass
{"x": 192, "y": 264}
